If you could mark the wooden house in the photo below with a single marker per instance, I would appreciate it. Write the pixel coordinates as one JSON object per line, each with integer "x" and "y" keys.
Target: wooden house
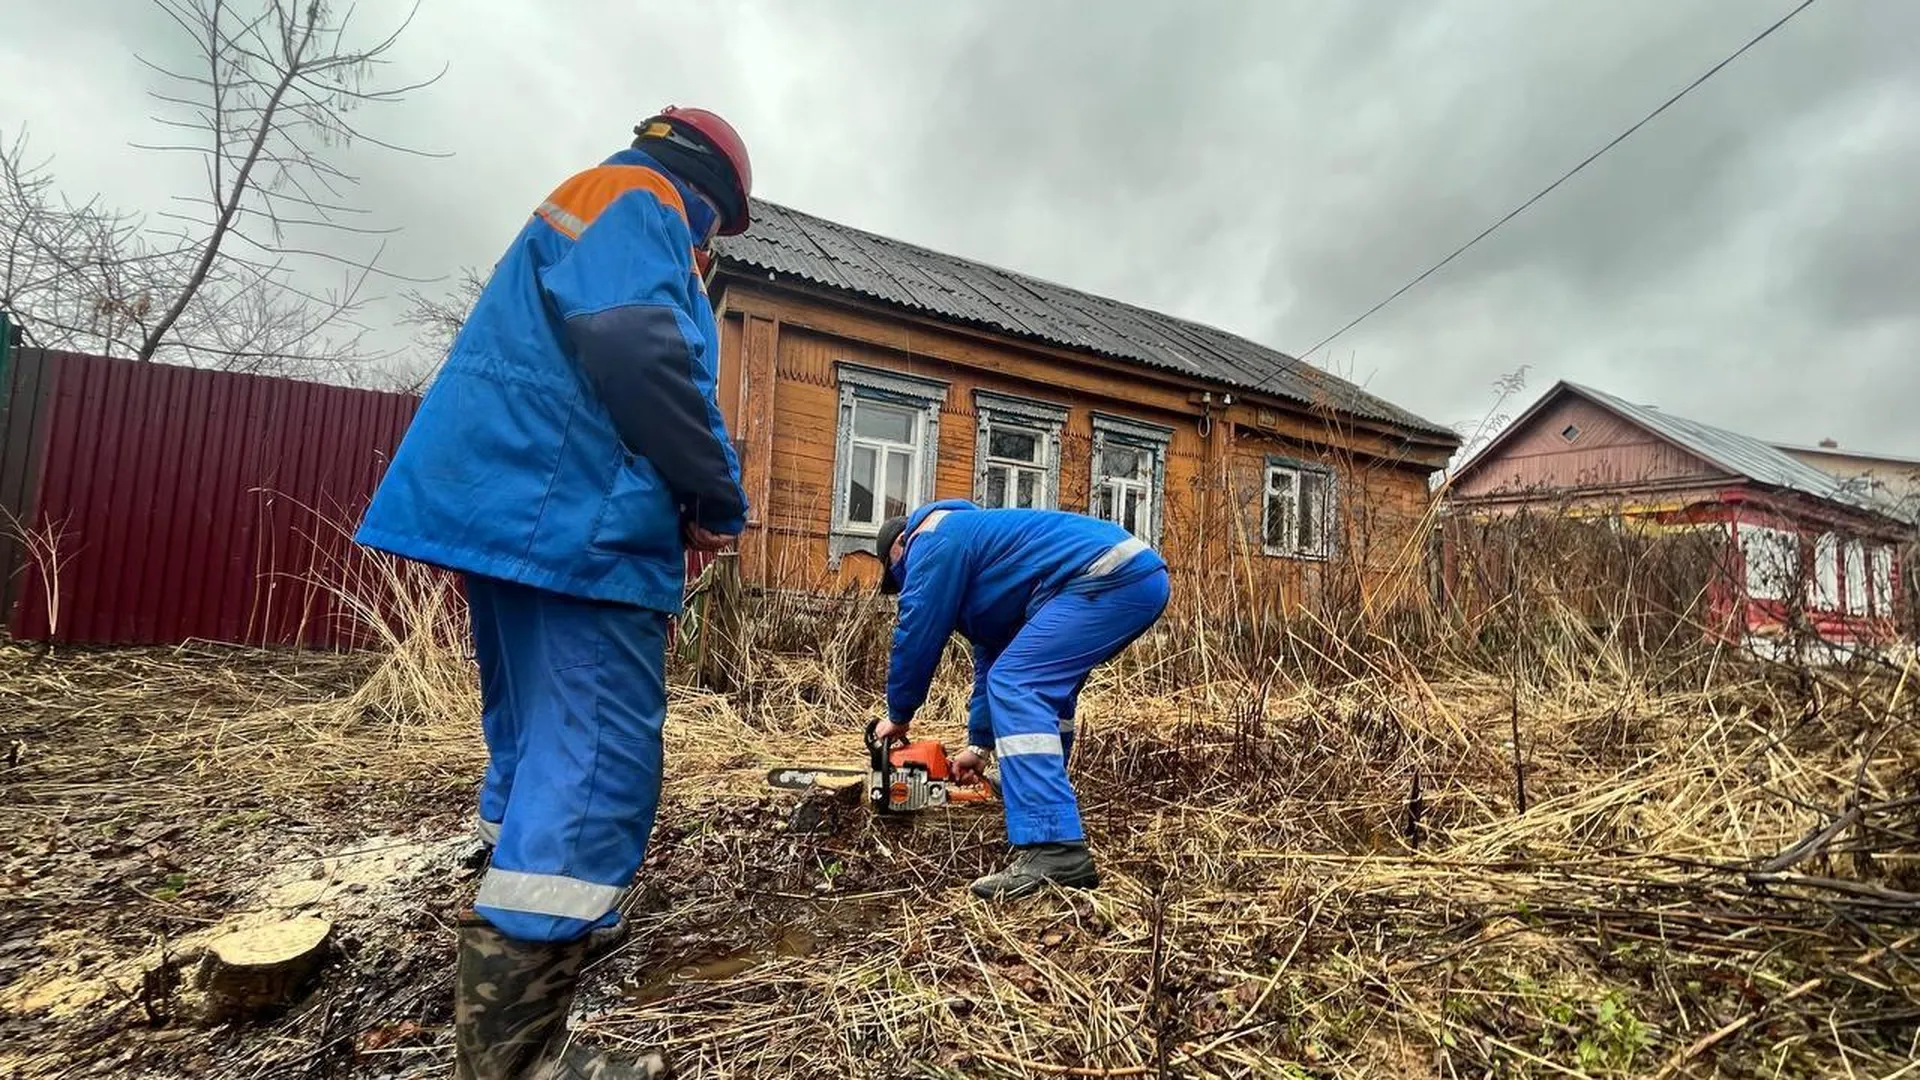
{"x": 1800, "y": 546}
{"x": 862, "y": 376}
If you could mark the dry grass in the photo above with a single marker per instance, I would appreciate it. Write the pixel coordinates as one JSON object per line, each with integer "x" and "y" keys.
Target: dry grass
{"x": 1356, "y": 857}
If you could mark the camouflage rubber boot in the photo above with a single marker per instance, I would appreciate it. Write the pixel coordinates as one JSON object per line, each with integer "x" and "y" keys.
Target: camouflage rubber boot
{"x": 1033, "y": 868}
{"x": 510, "y": 1002}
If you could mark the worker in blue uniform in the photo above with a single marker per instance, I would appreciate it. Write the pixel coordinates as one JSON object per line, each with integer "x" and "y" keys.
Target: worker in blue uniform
{"x": 568, "y": 452}
{"x": 1044, "y": 597}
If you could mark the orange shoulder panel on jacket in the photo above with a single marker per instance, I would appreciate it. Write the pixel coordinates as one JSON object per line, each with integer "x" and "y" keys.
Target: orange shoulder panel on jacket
{"x": 574, "y": 205}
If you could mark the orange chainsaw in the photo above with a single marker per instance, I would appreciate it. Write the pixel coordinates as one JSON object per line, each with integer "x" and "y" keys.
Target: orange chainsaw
{"x": 908, "y": 776}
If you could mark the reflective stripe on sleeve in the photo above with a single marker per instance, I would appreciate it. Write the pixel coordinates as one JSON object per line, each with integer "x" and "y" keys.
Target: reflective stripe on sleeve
{"x": 565, "y": 220}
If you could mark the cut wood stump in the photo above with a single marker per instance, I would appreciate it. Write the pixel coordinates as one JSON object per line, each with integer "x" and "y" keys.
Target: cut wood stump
{"x": 241, "y": 971}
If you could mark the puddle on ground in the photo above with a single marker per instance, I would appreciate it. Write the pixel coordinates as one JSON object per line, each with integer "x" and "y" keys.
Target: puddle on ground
{"x": 811, "y": 927}
{"x": 718, "y": 967}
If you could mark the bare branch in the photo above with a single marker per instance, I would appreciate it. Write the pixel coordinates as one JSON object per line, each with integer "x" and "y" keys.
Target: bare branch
{"x": 266, "y": 105}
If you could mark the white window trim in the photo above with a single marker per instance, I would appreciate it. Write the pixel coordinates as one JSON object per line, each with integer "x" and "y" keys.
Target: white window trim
{"x": 1826, "y": 573}
{"x": 1783, "y": 541}
{"x": 890, "y": 388}
{"x": 1880, "y": 580}
{"x": 1295, "y": 468}
{"x": 1042, "y": 416}
{"x": 1856, "y": 577}
{"x": 1137, "y": 435}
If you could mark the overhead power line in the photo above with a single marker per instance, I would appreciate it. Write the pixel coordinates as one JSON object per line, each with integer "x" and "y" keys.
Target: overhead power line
{"x": 1568, "y": 175}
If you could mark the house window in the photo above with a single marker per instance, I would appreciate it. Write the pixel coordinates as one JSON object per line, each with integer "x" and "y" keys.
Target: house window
{"x": 1129, "y": 473}
{"x": 888, "y": 429}
{"x": 1570, "y": 432}
{"x": 1856, "y": 578}
{"x": 1298, "y": 515}
{"x": 1772, "y": 557}
{"x": 1881, "y": 572}
{"x": 1017, "y": 452}
{"x": 1826, "y": 573}
{"x": 884, "y": 475}
{"x": 1125, "y": 494}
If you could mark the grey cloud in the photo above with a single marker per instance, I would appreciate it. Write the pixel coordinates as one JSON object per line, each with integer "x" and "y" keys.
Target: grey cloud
{"x": 1273, "y": 168}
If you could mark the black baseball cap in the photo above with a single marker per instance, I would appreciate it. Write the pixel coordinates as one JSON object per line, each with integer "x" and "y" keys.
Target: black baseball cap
{"x": 890, "y": 531}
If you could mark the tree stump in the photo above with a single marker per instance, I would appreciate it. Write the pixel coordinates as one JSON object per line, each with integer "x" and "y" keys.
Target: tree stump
{"x": 243, "y": 971}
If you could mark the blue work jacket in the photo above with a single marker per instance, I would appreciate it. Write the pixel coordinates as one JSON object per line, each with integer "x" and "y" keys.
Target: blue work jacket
{"x": 573, "y": 430}
{"x": 984, "y": 573}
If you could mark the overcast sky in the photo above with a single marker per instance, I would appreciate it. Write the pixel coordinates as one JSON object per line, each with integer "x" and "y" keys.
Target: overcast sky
{"x": 1751, "y": 258}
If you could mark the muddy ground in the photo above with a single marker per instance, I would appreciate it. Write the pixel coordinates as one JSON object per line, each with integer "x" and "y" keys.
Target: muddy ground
{"x": 120, "y": 848}
{"x": 1301, "y": 882}
{"x": 126, "y": 843}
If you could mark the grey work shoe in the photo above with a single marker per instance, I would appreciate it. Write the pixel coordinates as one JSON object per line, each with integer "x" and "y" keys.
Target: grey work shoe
{"x": 1032, "y": 868}
{"x": 510, "y": 1002}
{"x": 604, "y": 941}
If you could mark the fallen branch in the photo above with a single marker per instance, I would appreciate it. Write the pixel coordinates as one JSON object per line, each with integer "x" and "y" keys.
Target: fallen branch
{"x": 1879, "y": 893}
{"x": 1813, "y": 843}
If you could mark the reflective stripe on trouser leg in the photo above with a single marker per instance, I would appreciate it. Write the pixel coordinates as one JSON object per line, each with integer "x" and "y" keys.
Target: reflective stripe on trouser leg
{"x": 488, "y": 602}
{"x": 588, "y": 683}
{"x": 1032, "y": 689}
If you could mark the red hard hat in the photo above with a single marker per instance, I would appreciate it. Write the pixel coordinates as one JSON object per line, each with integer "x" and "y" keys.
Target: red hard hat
{"x": 727, "y": 141}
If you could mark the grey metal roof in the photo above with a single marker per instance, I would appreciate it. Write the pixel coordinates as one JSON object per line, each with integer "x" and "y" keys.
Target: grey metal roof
{"x": 1845, "y": 452}
{"x": 836, "y": 256}
{"x": 1743, "y": 455}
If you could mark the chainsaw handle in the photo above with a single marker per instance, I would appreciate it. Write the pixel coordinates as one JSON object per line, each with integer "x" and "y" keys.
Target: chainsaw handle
{"x": 873, "y": 739}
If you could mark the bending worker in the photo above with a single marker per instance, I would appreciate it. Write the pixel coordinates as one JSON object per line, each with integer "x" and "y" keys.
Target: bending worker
{"x": 563, "y": 458}
{"x": 1044, "y": 597}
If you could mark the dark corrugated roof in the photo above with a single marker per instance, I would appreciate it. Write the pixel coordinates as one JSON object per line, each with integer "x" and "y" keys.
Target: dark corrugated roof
{"x": 1744, "y": 455}
{"x": 836, "y": 256}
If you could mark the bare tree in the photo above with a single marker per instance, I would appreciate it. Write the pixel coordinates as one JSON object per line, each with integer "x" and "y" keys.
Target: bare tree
{"x": 225, "y": 280}
{"x": 436, "y": 321}
{"x": 67, "y": 270}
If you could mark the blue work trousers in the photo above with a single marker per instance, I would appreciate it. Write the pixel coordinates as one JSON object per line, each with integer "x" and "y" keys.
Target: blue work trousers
{"x": 573, "y": 699}
{"x": 1033, "y": 690}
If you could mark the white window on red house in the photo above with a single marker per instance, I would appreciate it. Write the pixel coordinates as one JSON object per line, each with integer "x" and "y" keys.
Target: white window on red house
{"x": 1881, "y": 573}
{"x": 1856, "y": 578}
{"x": 1772, "y": 558}
{"x": 1826, "y": 573}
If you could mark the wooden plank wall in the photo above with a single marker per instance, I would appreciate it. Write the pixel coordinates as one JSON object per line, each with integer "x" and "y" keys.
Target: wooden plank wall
{"x": 1214, "y": 476}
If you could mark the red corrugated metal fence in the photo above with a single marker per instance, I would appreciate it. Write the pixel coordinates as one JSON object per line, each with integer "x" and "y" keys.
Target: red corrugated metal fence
{"x": 181, "y": 503}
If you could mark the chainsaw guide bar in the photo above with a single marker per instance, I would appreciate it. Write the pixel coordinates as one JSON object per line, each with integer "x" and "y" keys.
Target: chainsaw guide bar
{"x": 900, "y": 777}
{"x": 806, "y": 777}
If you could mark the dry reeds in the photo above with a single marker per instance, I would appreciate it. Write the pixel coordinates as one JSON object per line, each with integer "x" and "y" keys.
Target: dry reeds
{"x": 1529, "y": 841}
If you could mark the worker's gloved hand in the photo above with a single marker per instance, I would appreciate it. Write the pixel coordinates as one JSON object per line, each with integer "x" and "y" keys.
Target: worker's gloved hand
{"x": 969, "y": 767}
{"x": 886, "y": 732}
{"x": 701, "y": 539}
